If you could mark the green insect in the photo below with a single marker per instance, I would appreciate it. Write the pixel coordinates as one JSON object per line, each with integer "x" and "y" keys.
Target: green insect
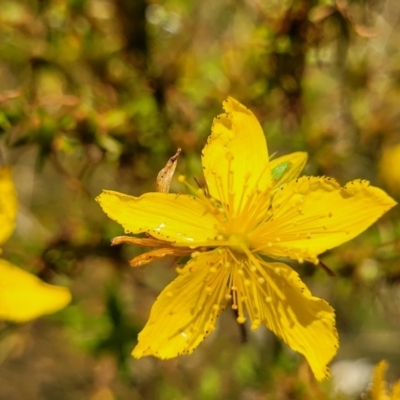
{"x": 286, "y": 168}
{"x": 278, "y": 172}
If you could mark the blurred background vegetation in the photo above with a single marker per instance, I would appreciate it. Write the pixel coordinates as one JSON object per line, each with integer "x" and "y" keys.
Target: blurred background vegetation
{"x": 100, "y": 93}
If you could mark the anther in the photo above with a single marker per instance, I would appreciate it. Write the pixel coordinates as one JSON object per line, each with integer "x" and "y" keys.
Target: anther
{"x": 255, "y": 324}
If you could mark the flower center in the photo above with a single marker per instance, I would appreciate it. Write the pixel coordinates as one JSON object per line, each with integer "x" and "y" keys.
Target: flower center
{"x": 238, "y": 242}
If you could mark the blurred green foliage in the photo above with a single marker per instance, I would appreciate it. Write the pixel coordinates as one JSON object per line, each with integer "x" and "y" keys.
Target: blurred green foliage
{"x": 99, "y": 94}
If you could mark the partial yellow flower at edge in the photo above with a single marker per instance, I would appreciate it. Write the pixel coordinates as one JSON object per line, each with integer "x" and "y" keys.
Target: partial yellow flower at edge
{"x": 389, "y": 167}
{"x": 379, "y": 390}
{"x": 255, "y": 208}
{"x": 8, "y": 204}
{"x": 23, "y": 296}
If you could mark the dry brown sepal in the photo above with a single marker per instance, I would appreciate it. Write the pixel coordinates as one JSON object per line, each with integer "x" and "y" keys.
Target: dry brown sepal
{"x": 164, "y": 177}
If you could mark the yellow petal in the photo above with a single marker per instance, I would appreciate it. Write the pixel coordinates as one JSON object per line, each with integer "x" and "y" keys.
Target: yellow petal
{"x": 8, "y": 204}
{"x": 378, "y": 389}
{"x": 396, "y": 391}
{"x": 311, "y": 215}
{"x": 23, "y": 296}
{"x": 286, "y": 168}
{"x": 186, "y": 311}
{"x": 235, "y": 159}
{"x": 304, "y": 322}
{"x": 171, "y": 217}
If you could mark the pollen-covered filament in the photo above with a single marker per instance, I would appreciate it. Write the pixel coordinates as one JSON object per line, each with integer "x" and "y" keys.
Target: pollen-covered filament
{"x": 252, "y": 288}
{"x": 244, "y": 205}
{"x": 243, "y": 282}
{"x": 238, "y": 213}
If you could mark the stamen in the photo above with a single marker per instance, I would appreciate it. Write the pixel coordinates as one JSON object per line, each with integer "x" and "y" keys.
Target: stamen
{"x": 240, "y": 308}
{"x": 215, "y": 288}
{"x": 266, "y": 276}
{"x": 208, "y": 202}
{"x": 242, "y": 194}
{"x": 256, "y": 208}
{"x": 256, "y": 323}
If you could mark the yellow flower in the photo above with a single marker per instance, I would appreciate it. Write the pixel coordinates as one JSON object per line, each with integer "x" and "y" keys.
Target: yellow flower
{"x": 379, "y": 386}
{"x": 23, "y": 296}
{"x": 388, "y": 167}
{"x": 252, "y": 209}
